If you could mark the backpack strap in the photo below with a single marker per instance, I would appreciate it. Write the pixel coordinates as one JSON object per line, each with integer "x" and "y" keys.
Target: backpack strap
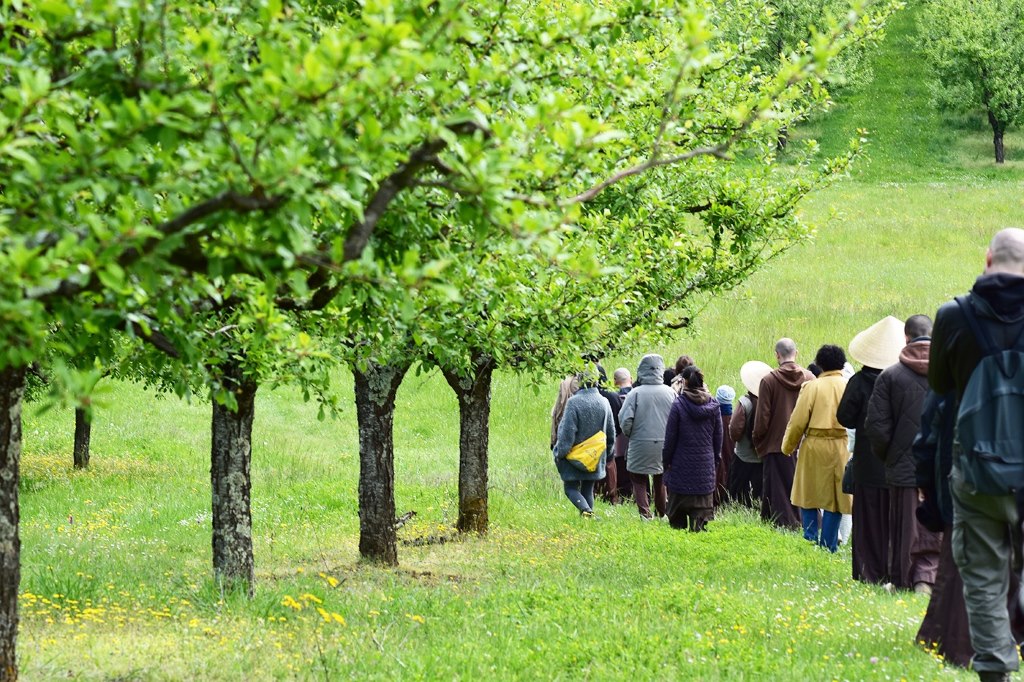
{"x": 985, "y": 341}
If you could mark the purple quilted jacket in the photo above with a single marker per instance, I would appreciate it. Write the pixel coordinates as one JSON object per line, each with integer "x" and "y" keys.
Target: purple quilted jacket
{"x": 693, "y": 443}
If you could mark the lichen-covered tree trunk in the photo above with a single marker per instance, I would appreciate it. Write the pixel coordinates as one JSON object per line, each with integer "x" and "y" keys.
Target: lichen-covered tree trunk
{"x": 83, "y": 434}
{"x": 474, "y": 393}
{"x": 12, "y": 386}
{"x": 375, "y": 389}
{"x": 230, "y": 457}
{"x": 998, "y": 128}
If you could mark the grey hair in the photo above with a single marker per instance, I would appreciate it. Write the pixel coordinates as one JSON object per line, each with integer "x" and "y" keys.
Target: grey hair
{"x": 785, "y": 348}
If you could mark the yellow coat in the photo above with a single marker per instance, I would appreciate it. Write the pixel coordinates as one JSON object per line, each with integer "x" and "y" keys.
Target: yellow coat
{"x": 823, "y": 453}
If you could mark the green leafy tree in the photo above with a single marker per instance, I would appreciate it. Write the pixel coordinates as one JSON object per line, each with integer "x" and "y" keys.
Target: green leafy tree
{"x": 154, "y": 154}
{"x": 674, "y": 215}
{"x": 975, "y": 51}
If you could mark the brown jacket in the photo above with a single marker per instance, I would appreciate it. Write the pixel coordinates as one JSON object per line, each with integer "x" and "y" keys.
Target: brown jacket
{"x": 775, "y": 402}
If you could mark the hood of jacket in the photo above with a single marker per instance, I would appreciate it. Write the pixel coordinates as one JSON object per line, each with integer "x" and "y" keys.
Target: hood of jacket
{"x": 700, "y": 411}
{"x": 999, "y": 295}
{"x": 697, "y": 396}
{"x": 791, "y": 375}
{"x": 915, "y": 356}
{"x": 651, "y": 370}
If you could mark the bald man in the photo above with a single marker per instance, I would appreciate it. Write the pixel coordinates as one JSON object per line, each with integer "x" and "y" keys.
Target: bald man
{"x": 776, "y": 398}
{"x": 985, "y": 527}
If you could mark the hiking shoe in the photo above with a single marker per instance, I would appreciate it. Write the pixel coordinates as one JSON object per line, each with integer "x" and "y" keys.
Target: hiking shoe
{"x": 923, "y": 588}
{"x": 587, "y": 514}
{"x": 993, "y": 676}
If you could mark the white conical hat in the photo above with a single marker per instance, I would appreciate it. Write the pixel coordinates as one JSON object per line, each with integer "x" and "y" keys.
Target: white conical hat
{"x": 751, "y": 374}
{"x": 880, "y": 344}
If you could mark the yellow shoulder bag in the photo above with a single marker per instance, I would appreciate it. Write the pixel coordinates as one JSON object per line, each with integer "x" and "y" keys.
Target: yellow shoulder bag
{"x": 587, "y": 454}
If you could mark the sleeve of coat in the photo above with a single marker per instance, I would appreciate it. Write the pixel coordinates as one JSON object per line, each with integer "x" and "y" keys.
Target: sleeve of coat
{"x": 717, "y": 439}
{"x": 925, "y": 444}
{"x": 668, "y": 450}
{"x": 878, "y": 423}
{"x": 799, "y": 420}
{"x": 762, "y": 417}
{"x": 566, "y": 432}
{"x": 738, "y": 423}
{"x": 627, "y": 412}
{"x": 940, "y": 376}
{"x": 850, "y": 405}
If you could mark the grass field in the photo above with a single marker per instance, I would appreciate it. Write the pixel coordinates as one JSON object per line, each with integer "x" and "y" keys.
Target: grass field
{"x": 116, "y": 561}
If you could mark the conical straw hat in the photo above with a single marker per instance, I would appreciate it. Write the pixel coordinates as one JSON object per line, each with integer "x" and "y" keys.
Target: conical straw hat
{"x": 880, "y": 344}
{"x": 751, "y": 374}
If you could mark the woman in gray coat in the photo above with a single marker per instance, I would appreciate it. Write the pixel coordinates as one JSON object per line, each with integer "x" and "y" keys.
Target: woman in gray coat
{"x": 586, "y": 414}
{"x": 643, "y": 417}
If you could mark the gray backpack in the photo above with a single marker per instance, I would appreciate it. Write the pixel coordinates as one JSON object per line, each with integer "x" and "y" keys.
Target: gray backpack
{"x": 990, "y": 420}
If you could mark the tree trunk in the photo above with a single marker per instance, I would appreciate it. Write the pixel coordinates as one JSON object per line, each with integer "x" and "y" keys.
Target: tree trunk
{"x": 230, "y": 457}
{"x": 375, "y": 410}
{"x": 83, "y": 434}
{"x": 782, "y": 141}
{"x": 997, "y": 137}
{"x": 474, "y": 395}
{"x": 12, "y": 386}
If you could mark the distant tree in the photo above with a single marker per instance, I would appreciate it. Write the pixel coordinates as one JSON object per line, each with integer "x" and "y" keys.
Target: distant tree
{"x": 975, "y": 51}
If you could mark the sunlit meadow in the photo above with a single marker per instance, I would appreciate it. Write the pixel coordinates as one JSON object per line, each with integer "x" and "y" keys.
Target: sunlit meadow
{"x": 116, "y": 580}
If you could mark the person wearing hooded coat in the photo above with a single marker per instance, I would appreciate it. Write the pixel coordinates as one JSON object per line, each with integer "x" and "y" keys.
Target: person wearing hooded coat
{"x": 643, "y": 418}
{"x": 692, "y": 451}
{"x": 586, "y": 413}
{"x": 776, "y": 398}
{"x": 893, "y": 420}
{"x": 876, "y": 348}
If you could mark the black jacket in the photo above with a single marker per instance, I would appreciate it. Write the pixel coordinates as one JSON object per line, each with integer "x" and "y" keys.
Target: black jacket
{"x": 894, "y": 413}
{"x": 615, "y": 402}
{"x": 933, "y": 457}
{"x": 868, "y": 470}
{"x": 998, "y": 301}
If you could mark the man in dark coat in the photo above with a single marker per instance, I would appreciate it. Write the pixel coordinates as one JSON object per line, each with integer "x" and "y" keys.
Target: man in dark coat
{"x": 893, "y": 420}
{"x": 776, "y": 399}
{"x": 985, "y": 527}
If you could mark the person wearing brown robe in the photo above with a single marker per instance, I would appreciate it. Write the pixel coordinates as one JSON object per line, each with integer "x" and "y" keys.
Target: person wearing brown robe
{"x": 892, "y": 422}
{"x": 724, "y": 395}
{"x": 776, "y": 399}
{"x": 876, "y": 348}
{"x": 870, "y": 492}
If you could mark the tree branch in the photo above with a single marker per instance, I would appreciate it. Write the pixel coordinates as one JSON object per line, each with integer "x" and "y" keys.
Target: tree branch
{"x": 425, "y": 155}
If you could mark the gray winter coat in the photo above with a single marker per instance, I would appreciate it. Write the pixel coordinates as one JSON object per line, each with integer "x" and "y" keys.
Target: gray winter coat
{"x": 644, "y": 415}
{"x": 586, "y": 413}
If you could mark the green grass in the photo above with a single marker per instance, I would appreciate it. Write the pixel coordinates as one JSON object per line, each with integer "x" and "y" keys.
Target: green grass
{"x": 116, "y": 561}
{"x": 127, "y": 593}
{"x": 909, "y": 140}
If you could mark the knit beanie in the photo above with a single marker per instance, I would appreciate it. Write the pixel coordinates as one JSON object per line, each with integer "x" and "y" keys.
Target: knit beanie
{"x": 725, "y": 395}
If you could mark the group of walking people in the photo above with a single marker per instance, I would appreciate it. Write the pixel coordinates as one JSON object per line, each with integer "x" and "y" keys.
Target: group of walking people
{"x": 810, "y": 445}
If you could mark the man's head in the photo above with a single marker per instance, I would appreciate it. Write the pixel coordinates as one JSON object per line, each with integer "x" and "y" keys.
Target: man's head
{"x": 1006, "y": 252}
{"x": 785, "y": 350}
{"x": 622, "y": 377}
{"x": 917, "y": 326}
